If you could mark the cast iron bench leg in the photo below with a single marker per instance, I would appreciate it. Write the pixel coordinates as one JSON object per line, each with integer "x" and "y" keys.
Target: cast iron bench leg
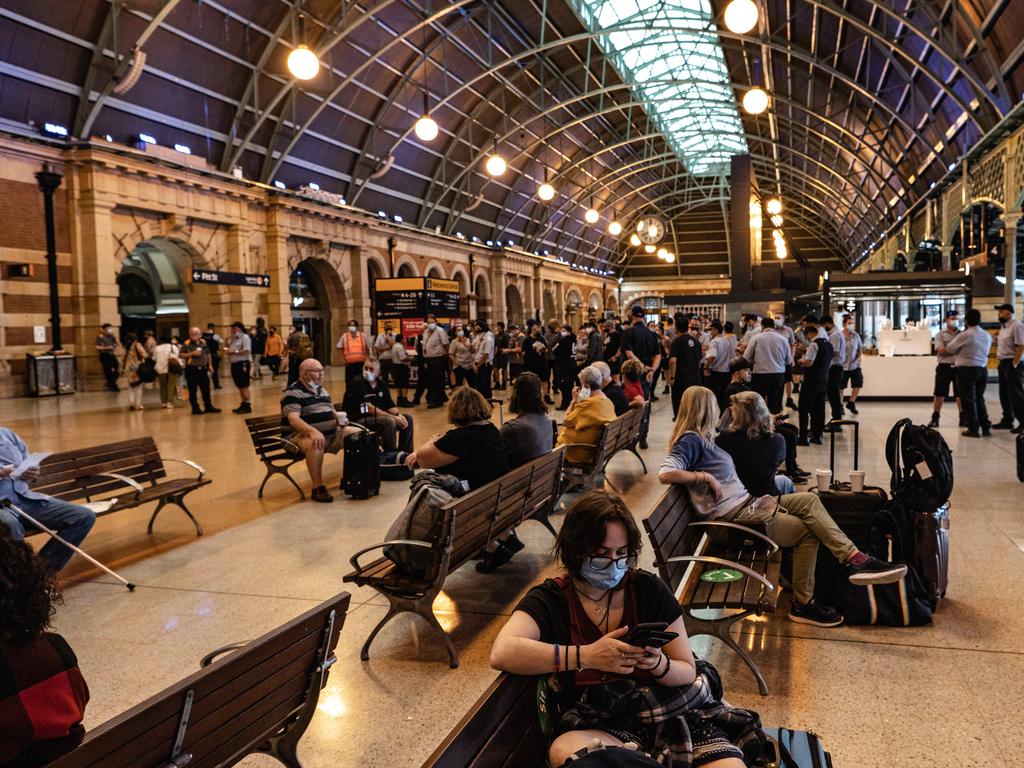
{"x": 720, "y": 628}
{"x": 180, "y": 502}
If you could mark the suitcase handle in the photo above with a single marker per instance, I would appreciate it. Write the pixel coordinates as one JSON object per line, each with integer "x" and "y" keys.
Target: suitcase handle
{"x": 832, "y": 444}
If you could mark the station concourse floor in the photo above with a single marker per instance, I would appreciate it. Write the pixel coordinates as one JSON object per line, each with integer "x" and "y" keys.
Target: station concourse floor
{"x": 946, "y": 695}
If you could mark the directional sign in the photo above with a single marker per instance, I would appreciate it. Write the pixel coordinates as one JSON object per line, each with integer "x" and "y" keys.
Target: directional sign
{"x": 212, "y": 277}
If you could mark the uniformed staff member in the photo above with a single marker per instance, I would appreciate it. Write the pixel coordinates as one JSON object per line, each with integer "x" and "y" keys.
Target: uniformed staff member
{"x": 835, "y": 371}
{"x": 971, "y": 347}
{"x": 1009, "y": 350}
{"x": 684, "y": 365}
{"x": 815, "y": 362}
{"x": 198, "y": 366}
{"x": 717, "y": 359}
{"x": 785, "y": 330}
{"x": 945, "y": 371}
{"x": 769, "y": 352}
{"x": 852, "y": 373}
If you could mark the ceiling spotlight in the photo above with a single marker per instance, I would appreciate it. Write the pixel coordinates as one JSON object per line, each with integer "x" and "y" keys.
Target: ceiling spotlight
{"x": 663, "y": 253}
{"x": 755, "y": 101}
{"x": 495, "y": 165}
{"x": 634, "y": 240}
{"x": 426, "y": 128}
{"x": 740, "y": 16}
{"x": 546, "y": 192}
{"x": 591, "y": 216}
{"x": 670, "y": 257}
{"x": 774, "y": 206}
{"x": 649, "y": 249}
{"x": 615, "y": 229}
{"x": 303, "y": 63}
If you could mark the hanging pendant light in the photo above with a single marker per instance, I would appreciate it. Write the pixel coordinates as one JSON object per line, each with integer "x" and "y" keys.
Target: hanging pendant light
{"x": 670, "y": 257}
{"x": 546, "y": 191}
{"x": 649, "y": 249}
{"x": 774, "y": 206}
{"x": 634, "y": 240}
{"x": 495, "y": 164}
{"x": 591, "y": 216}
{"x": 615, "y": 229}
{"x": 302, "y": 62}
{"x": 755, "y": 101}
{"x": 741, "y": 16}
{"x": 426, "y": 127}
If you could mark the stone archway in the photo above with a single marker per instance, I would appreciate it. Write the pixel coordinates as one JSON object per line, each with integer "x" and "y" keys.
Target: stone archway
{"x": 482, "y": 292}
{"x": 573, "y": 308}
{"x": 514, "y": 310}
{"x": 406, "y": 269}
{"x": 593, "y": 305}
{"x": 550, "y": 310}
{"x": 319, "y": 305}
{"x": 978, "y": 231}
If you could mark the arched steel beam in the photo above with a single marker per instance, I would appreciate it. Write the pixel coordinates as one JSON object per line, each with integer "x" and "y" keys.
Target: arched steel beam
{"x": 453, "y": 6}
{"x": 910, "y": 128}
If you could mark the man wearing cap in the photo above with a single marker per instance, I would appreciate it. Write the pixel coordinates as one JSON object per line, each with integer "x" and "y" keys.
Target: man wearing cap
{"x": 971, "y": 347}
{"x": 945, "y": 371}
{"x": 769, "y": 352}
{"x": 1009, "y": 350}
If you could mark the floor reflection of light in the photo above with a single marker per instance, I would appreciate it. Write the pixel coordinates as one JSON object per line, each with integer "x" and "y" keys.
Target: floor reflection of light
{"x": 171, "y": 624}
{"x": 332, "y": 705}
{"x": 446, "y": 612}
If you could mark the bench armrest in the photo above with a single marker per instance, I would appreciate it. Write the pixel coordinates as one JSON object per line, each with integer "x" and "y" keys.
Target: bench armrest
{"x": 208, "y": 659}
{"x": 725, "y": 564}
{"x": 580, "y": 445}
{"x": 190, "y": 463}
{"x": 736, "y": 526}
{"x": 126, "y": 480}
{"x": 354, "y": 560}
{"x": 288, "y": 442}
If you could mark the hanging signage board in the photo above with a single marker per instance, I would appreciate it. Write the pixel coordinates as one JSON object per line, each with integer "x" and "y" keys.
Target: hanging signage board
{"x": 442, "y": 297}
{"x": 213, "y": 277}
{"x": 399, "y": 298}
{"x": 411, "y": 299}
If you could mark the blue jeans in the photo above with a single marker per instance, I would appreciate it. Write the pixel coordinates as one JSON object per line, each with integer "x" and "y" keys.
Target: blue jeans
{"x": 784, "y": 485}
{"x": 71, "y": 521}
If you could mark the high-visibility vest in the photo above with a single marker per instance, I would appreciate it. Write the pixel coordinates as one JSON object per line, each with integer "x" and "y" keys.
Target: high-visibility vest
{"x": 353, "y": 351}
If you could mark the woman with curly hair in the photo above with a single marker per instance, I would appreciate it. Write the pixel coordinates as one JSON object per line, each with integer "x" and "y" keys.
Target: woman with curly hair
{"x": 37, "y": 728}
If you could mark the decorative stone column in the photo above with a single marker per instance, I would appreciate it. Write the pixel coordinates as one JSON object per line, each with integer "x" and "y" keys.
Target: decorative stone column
{"x": 279, "y": 305}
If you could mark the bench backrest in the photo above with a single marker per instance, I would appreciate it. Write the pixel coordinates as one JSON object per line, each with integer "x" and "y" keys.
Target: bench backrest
{"x": 620, "y": 434}
{"x": 501, "y": 730}
{"x": 668, "y": 528}
{"x": 504, "y": 503}
{"x": 265, "y": 432}
{"x": 224, "y": 711}
{"x": 74, "y": 475}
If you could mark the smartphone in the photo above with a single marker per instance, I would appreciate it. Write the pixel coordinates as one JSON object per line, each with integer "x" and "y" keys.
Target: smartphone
{"x": 650, "y": 635}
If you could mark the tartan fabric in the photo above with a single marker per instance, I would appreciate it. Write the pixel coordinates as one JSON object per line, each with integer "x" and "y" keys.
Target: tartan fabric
{"x": 42, "y": 702}
{"x": 663, "y": 719}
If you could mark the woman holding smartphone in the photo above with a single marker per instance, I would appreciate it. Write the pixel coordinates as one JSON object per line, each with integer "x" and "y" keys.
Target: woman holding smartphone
{"x": 574, "y": 628}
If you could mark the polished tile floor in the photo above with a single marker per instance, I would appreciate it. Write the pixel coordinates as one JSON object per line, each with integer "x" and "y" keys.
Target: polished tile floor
{"x": 945, "y": 695}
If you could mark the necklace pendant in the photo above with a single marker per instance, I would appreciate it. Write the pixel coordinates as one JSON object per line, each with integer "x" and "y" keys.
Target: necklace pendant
{"x": 599, "y": 609}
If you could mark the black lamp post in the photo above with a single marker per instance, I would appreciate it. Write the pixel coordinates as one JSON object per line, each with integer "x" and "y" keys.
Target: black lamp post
{"x": 48, "y": 183}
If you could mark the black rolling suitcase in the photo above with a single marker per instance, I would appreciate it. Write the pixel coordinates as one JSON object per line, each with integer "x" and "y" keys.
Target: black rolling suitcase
{"x": 796, "y": 749}
{"x": 362, "y": 465}
{"x": 853, "y": 512}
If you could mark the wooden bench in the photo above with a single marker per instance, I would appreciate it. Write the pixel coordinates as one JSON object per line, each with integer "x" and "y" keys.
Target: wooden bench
{"x": 259, "y": 698}
{"x": 469, "y": 525}
{"x": 623, "y": 434}
{"x": 132, "y": 471}
{"x": 273, "y": 450}
{"x": 685, "y": 548}
{"x": 502, "y": 730}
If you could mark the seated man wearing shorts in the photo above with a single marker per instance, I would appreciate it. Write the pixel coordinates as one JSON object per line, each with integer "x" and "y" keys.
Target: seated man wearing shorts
{"x": 311, "y": 425}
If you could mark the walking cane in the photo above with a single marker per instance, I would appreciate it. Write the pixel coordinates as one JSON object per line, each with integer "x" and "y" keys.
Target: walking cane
{"x": 53, "y": 534}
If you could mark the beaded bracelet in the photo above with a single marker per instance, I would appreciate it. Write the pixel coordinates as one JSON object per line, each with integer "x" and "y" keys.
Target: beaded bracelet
{"x": 668, "y": 666}
{"x": 579, "y": 661}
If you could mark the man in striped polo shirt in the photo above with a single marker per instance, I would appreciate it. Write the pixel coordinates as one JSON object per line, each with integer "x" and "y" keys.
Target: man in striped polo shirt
{"x": 310, "y": 423}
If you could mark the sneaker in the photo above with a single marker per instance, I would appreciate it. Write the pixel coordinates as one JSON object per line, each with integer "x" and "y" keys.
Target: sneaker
{"x": 492, "y": 561}
{"x": 934, "y": 421}
{"x": 970, "y": 433}
{"x": 817, "y": 440}
{"x": 1003, "y": 425}
{"x": 851, "y": 406}
{"x": 875, "y": 571}
{"x": 986, "y": 431}
{"x": 814, "y": 613}
{"x": 513, "y": 543}
{"x": 791, "y": 404}
{"x": 321, "y": 495}
{"x": 243, "y": 408}
{"x": 211, "y": 409}
{"x": 803, "y": 442}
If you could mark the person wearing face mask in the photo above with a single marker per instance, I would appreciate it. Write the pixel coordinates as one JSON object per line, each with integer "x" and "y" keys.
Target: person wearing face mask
{"x": 565, "y": 364}
{"x": 354, "y": 351}
{"x": 971, "y": 347}
{"x": 586, "y": 417}
{"x": 435, "y": 350}
{"x": 945, "y": 370}
{"x": 1010, "y": 350}
{"x": 368, "y": 402}
{"x": 535, "y": 358}
{"x": 684, "y": 367}
{"x": 853, "y": 376}
{"x": 717, "y": 359}
{"x": 575, "y": 626}
{"x": 513, "y": 352}
{"x": 834, "y": 387}
{"x": 460, "y": 354}
{"x": 483, "y": 359}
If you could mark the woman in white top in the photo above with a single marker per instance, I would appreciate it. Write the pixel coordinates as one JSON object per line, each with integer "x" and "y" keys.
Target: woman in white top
{"x": 166, "y": 351}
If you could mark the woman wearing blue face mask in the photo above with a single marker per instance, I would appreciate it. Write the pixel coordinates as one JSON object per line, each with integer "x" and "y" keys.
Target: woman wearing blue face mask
{"x": 573, "y": 628}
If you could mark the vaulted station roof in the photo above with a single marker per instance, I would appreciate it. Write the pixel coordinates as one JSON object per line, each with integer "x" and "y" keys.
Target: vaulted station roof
{"x": 628, "y": 106}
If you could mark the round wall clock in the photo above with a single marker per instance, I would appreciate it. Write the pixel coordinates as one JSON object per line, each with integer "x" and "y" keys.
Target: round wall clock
{"x": 650, "y": 230}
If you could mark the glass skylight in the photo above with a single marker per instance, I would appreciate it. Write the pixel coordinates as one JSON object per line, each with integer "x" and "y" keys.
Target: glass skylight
{"x": 668, "y": 51}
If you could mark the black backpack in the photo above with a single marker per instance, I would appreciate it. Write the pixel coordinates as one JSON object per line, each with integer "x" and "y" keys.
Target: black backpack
{"x": 921, "y": 464}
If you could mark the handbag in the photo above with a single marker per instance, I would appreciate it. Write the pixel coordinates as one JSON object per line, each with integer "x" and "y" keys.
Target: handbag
{"x": 146, "y": 371}
{"x": 174, "y": 366}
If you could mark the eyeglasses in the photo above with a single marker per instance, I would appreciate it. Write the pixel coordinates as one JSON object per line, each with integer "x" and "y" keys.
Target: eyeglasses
{"x": 601, "y": 563}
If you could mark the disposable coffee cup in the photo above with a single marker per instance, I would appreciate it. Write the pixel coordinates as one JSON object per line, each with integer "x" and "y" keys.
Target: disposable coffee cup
{"x": 856, "y": 480}
{"x": 824, "y": 477}
{"x": 342, "y": 418}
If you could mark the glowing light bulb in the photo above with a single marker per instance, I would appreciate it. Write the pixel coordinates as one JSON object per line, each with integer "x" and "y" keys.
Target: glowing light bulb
{"x": 641, "y": 226}
{"x": 303, "y": 63}
{"x": 634, "y": 240}
{"x": 546, "y": 192}
{"x": 591, "y": 216}
{"x": 670, "y": 257}
{"x": 426, "y": 128}
{"x": 495, "y": 165}
{"x": 740, "y": 16}
{"x": 755, "y": 101}
{"x": 649, "y": 249}
{"x": 774, "y": 206}
{"x": 663, "y": 253}
{"x": 615, "y": 229}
